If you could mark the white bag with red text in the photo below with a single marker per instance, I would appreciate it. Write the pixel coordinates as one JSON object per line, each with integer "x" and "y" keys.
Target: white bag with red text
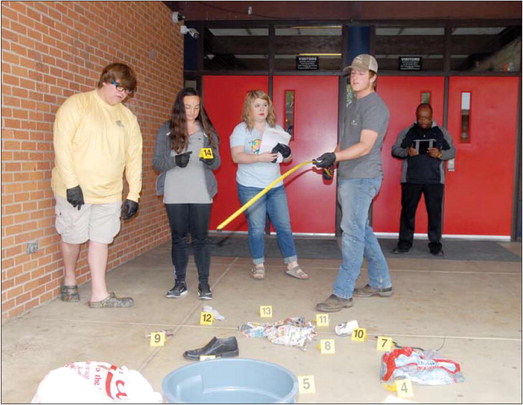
{"x": 94, "y": 382}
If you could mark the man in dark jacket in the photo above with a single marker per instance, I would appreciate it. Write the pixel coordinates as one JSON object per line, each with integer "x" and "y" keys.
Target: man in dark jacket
{"x": 424, "y": 146}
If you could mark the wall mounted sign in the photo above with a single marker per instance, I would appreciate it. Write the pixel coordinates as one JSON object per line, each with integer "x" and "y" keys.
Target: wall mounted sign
{"x": 409, "y": 62}
{"x": 307, "y": 62}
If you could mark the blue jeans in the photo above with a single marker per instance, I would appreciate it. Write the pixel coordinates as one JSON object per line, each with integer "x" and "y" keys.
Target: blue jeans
{"x": 358, "y": 239}
{"x": 273, "y": 203}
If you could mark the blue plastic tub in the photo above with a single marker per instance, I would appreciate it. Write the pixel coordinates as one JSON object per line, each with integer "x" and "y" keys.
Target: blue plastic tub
{"x": 230, "y": 381}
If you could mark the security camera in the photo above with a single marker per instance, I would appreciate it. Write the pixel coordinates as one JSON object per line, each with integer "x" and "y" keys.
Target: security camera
{"x": 191, "y": 31}
{"x": 177, "y": 17}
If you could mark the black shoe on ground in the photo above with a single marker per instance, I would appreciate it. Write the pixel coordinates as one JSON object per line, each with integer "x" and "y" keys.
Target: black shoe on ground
{"x": 435, "y": 248}
{"x": 401, "y": 248}
{"x": 334, "y": 304}
{"x": 179, "y": 290}
{"x": 437, "y": 252}
{"x": 369, "y": 291}
{"x": 227, "y": 347}
{"x": 204, "y": 292}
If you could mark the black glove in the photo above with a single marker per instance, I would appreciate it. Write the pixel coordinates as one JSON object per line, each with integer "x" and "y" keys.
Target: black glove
{"x": 328, "y": 172}
{"x": 129, "y": 208}
{"x": 283, "y": 149}
{"x": 75, "y": 197}
{"x": 182, "y": 159}
{"x": 207, "y": 160}
{"x": 325, "y": 160}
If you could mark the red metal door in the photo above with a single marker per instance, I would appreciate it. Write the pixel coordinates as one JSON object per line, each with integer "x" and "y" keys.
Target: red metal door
{"x": 479, "y": 193}
{"x": 223, "y": 98}
{"x": 402, "y": 95}
{"x": 311, "y": 199}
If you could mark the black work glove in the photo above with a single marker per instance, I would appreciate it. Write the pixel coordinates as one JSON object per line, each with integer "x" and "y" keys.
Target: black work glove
{"x": 75, "y": 197}
{"x": 129, "y": 208}
{"x": 328, "y": 172}
{"x": 325, "y": 160}
{"x": 283, "y": 149}
{"x": 208, "y": 160}
{"x": 182, "y": 159}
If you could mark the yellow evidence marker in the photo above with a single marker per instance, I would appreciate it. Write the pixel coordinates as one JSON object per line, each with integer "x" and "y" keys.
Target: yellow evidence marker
{"x": 157, "y": 338}
{"x": 322, "y": 319}
{"x": 206, "y": 153}
{"x": 206, "y": 318}
{"x": 306, "y": 384}
{"x": 265, "y": 311}
{"x": 327, "y": 346}
{"x": 359, "y": 334}
{"x": 384, "y": 344}
{"x": 404, "y": 388}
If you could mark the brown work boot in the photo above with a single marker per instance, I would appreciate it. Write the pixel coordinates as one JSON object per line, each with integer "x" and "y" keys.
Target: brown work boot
{"x": 334, "y": 304}
{"x": 369, "y": 291}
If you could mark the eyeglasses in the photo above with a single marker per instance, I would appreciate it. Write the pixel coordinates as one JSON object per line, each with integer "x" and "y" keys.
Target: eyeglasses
{"x": 121, "y": 89}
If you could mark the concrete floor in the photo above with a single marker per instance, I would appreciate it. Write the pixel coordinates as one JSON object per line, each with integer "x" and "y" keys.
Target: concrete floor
{"x": 470, "y": 308}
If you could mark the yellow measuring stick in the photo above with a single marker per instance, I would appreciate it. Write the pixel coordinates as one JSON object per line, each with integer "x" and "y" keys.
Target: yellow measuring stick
{"x": 257, "y": 196}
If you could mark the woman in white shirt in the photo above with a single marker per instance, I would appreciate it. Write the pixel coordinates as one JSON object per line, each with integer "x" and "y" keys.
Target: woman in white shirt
{"x": 255, "y": 172}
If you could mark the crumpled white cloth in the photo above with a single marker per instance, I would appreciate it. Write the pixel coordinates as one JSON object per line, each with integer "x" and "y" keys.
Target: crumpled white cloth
{"x": 216, "y": 314}
{"x": 345, "y": 328}
{"x": 289, "y": 332}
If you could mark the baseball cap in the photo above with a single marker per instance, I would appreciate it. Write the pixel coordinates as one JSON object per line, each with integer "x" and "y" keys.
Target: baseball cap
{"x": 363, "y": 63}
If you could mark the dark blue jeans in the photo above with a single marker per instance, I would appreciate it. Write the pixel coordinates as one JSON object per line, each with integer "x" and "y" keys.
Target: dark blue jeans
{"x": 193, "y": 219}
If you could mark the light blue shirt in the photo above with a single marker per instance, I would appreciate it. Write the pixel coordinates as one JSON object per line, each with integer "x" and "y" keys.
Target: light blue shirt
{"x": 259, "y": 174}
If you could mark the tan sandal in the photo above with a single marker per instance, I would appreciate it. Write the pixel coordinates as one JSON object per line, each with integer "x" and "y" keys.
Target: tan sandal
{"x": 298, "y": 273}
{"x": 258, "y": 273}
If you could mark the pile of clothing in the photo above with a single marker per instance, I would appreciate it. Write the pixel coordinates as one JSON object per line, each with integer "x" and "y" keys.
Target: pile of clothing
{"x": 289, "y": 332}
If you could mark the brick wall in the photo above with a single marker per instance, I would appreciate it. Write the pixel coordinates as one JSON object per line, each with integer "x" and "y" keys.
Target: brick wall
{"x": 51, "y": 50}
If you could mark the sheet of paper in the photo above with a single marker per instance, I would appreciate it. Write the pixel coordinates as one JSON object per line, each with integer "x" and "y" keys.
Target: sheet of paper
{"x": 271, "y": 137}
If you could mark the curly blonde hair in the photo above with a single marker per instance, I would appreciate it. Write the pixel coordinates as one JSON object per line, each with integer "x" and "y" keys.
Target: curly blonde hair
{"x": 247, "y": 115}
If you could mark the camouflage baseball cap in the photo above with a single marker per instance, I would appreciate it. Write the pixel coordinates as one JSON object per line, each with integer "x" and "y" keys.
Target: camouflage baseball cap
{"x": 363, "y": 63}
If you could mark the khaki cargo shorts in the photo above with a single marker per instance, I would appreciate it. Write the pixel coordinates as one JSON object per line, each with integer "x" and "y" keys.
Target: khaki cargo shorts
{"x": 96, "y": 222}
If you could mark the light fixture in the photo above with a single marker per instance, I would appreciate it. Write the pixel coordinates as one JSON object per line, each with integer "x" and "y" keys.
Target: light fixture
{"x": 319, "y": 54}
{"x": 177, "y": 17}
{"x": 193, "y": 32}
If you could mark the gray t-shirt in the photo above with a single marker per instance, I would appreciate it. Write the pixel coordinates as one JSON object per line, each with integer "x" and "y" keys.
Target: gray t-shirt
{"x": 369, "y": 112}
{"x": 186, "y": 185}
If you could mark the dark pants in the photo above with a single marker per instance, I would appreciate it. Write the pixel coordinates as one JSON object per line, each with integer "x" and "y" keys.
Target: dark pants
{"x": 410, "y": 196}
{"x": 192, "y": 219}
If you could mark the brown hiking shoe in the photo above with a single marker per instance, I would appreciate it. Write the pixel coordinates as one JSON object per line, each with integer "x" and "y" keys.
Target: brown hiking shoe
{"x": 369, "y": 291}
{"x": 334, "y": 304}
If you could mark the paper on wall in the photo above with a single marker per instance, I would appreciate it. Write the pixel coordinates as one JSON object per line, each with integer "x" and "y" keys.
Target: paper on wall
{"x": 271, "y": 137}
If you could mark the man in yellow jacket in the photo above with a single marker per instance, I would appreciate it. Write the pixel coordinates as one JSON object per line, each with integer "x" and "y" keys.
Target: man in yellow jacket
{"x": 96, "y": 140}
